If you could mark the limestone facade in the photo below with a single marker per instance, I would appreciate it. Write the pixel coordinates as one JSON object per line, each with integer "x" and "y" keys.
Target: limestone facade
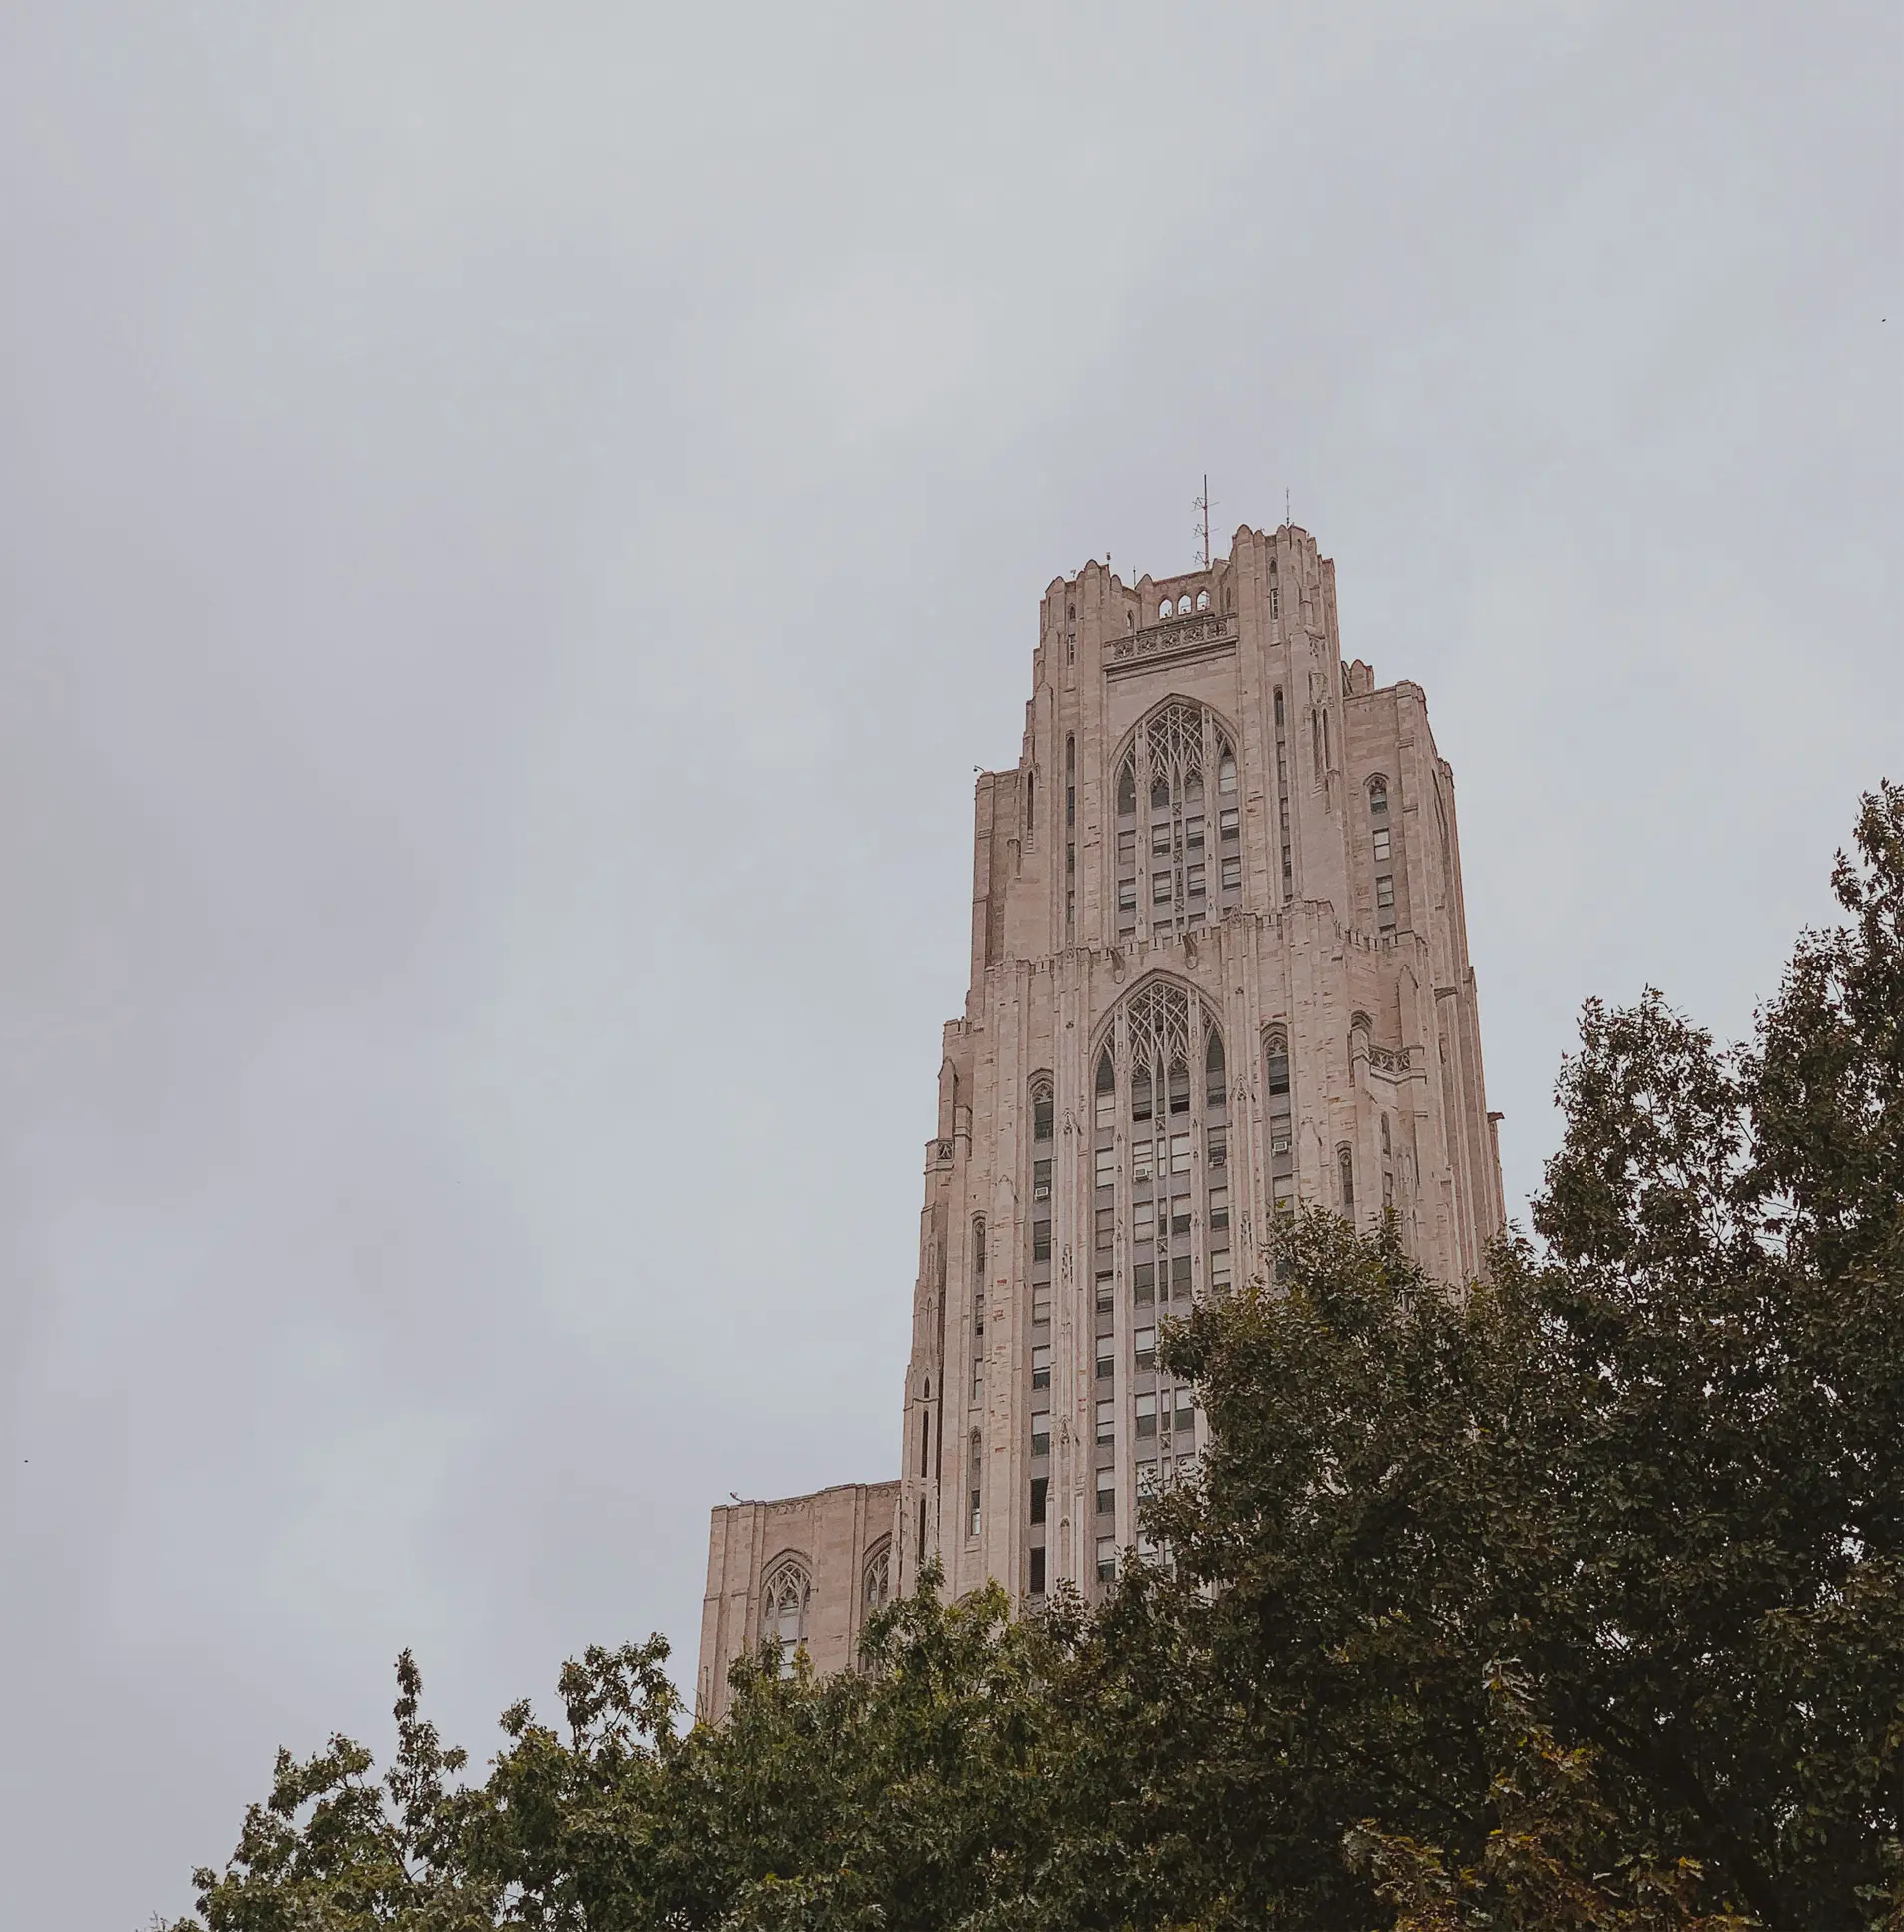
{"x": 1219, "y": 968}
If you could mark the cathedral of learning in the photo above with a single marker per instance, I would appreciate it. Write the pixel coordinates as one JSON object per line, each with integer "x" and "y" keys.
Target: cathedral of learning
{"x": 1219, "y": 969}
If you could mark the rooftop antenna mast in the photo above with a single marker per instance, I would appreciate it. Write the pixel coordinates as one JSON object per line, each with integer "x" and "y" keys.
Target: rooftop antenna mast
{"x": 1203, "y": 507}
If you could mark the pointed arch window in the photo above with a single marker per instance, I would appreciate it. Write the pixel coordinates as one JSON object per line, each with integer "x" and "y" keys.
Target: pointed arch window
{"x": 976, "y": 1519}
{"x": 785, "y": 1600}
{"x": 1165, "y": 1186}
{"x": 1173, "y": 759}
{"x": 1280, "y": 1118}
{"x": 1345, "y": 1180}
{"x": 876, "y": 1577}
{"x": 1106, "y": 1096}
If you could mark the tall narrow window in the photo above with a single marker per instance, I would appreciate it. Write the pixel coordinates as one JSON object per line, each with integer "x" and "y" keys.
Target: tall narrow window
{"x": 1379, "y": 818}
{"x": 1279, "y": 1108}
{"x": 1345, "y": 1174}
{"x": 974, "y": 1483}
{"x": 1042, "y": 1113}
{"x": 1106, "y": 1098}
{"x": 1213, "y": 1069}
{"x": 875, "y": 1578}
{"x": 1030, "y": 806}
{"x": 1282, "y": 799}
{"x": 785, "y": 1597}
{"x": 1070, "y": 837}
{"x": 978, "y": 1308}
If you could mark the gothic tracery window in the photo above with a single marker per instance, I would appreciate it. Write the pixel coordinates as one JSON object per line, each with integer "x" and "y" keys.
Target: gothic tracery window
{"x": 1163, "y": 1184}
{"x": 876, "y": 1578}
{"x": 1168, "y": 878}
{"x": 785, "y": 1597}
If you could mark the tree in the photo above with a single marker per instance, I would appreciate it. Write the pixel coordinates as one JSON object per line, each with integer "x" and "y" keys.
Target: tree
{"x": 1574, "y": 1599}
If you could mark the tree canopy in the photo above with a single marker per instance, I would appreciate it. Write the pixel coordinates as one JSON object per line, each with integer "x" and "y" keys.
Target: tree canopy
{"x": 1572, "y": 1599}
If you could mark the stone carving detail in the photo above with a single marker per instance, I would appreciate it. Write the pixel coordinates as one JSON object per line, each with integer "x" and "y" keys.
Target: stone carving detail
{"x": 1172, "y": 639}
{"x": 1386, "y": 1060}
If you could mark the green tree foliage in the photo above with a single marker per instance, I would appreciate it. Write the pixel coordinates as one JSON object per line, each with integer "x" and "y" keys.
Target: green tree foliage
{"x": 1574, "y": 1599}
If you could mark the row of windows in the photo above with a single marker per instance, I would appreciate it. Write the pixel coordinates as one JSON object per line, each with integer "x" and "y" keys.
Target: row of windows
{"x": 1182, "y": 606}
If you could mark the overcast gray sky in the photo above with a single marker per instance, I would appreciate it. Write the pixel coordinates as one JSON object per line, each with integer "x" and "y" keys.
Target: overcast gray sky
{"x": 517, "y": 525}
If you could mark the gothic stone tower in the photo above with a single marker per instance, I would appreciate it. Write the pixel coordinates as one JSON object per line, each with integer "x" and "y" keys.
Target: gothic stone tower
{"x": 1219, "y": 966}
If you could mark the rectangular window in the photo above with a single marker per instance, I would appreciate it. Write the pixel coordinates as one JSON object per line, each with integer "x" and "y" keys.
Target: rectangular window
{"x": 1038, "y": 1571}
{"x": 1106, "y": 1293}
{"x": 1194, "y": 876}
{"x": 1193, "y": 834}
{"x": 1107, "y": 1358}
{"x": 1186, "y": 1411}
{"x": 1149, "y": 1478}
{"x": 1126, "y": 895}
{"x": 1228, "y": 824}
{"x": 1180, "y": 1153}
{"x": 1040, "y": 1488}
{"x": 1285, "y": 1195}
{"x": 1144, "y": 1281}
{"x": 1220, "y": 1207}
{"x": 1041, "y": 1301}
{"x": 1180, "y": 1216}
{"x": 1106, "y": 1226}
{"x": 1142, "y": 1159}
{"x": 1107, "y": 1421}
{"x": 1107, "y": 1495}
{"x": 1041, "y": 1433}
{"x": 1146, "y": 1349}
{"x": 1143, "y": 1220}
{"x": 973, "y": 1531}
{"x": 979, "y": 1380}
{"x": 1107, "y": 1167}
{"x": 1041, "y": 1180}
{"x": 1232, "y": 873}
{"x": 1041, "y": 1116}
{"x": 1147, "y": 1415}
{"x": 1219, "y": 1146}
{"x": 1160, "y": 839}
{"x": 1127, "y": 848}
{"x": 1381, "y": 842}
{"x": 1070, "y": 858}
{"x": 1279, "y": 1144}
{"x": 1160, "y": 889}
{"x": 1385, "y": 889}
{"x": 1226, "y": 777}
{"x": 1180, "y": 1276}
{"x": 1220, "y": 1272}
{"x": 1041, "y": 1366}
{"x": 1040, "y": 1240}
{"x": 1106, "y": 1559}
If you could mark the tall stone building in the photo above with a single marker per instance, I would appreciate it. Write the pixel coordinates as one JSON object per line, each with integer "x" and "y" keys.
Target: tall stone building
{"x": 1219, "y": 968}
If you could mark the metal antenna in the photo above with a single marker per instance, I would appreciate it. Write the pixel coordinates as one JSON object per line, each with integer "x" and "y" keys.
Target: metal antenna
{"x": 1203, "y": 507}
{"x": 1285, "y": 505}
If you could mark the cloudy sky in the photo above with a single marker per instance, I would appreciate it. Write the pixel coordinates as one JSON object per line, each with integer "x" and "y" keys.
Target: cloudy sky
{"x": 517, "y": 526}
